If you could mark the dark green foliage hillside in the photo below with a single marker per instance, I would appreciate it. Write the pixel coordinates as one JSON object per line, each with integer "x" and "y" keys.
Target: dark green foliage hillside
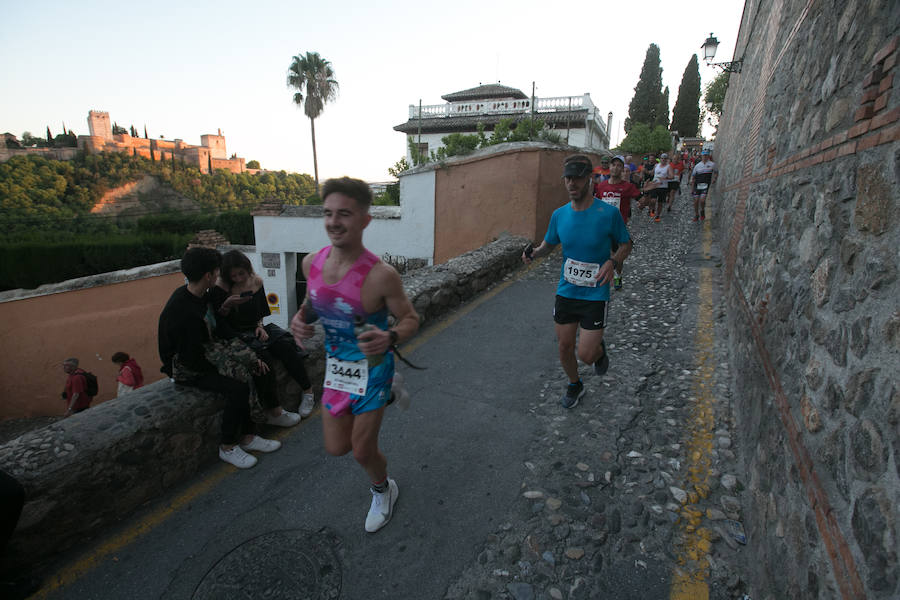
{"x": 36, "y": 192}
{"x": 48, "y": 234}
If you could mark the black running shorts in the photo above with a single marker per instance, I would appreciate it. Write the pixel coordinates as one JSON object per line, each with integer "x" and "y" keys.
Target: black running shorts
{"x": 589, "y": 314}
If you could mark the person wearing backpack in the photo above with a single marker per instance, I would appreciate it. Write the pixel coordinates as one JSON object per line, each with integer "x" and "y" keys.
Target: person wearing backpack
{"x": 130, "y": 376}
{"x": 81, "y": 387}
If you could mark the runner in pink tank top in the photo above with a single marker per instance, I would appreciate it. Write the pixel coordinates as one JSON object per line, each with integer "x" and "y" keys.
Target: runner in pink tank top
{"x": 352, "y": 291}
{"x": 339, "y": 307}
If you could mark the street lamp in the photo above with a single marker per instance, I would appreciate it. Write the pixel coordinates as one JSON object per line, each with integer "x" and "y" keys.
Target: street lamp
{"x": 709, "y": 52}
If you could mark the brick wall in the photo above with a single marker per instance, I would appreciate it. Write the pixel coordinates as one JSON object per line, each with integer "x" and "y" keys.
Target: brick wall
{"x": 810, "y": 176}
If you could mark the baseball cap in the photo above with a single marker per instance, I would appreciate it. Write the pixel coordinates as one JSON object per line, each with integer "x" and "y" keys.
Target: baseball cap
{"x": 604, "y": 159}
{"x": 577, "y": 165}
{"x": 704, "y": 152}
{"x": 619, "y": 158}
{"x": 664, "y": 155}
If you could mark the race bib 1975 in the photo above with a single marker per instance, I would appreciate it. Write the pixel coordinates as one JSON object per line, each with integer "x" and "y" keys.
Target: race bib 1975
{"x": 581, "y": 273}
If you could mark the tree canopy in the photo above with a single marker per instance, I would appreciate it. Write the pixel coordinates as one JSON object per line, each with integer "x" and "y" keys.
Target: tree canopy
{"x": 648, "y": 100}
{"x": 38, "y": 193}
{"x": 642, "y": 139}
{"x": 715, "y": 93}
{"x": 686, "y": 114}
{"x": 313, "y": 79}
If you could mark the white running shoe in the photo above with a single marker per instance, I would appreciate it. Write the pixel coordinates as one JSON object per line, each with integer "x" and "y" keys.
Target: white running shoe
{"x": 399, "y": 392}
{"x": 382, "y": 507}
{"x": 285, "y": 419}
{"x": 237, "y": 457}
{"x": 261, "y": 445}
{"x": 307, "y": 404}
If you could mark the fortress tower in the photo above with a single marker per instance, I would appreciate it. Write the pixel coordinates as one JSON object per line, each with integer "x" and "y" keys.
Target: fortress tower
{"x": 98, "y": 124}
{"x": 215, "y": 143}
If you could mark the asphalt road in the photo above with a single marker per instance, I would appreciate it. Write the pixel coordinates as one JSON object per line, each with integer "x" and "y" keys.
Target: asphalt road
{"x": 457, "y": 456}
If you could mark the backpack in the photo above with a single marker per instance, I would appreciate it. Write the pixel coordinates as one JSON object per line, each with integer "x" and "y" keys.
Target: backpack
{"x": 91, "y": 387}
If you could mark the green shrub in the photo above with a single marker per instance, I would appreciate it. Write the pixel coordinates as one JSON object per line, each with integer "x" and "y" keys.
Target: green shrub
{"x": 28, "y": 264}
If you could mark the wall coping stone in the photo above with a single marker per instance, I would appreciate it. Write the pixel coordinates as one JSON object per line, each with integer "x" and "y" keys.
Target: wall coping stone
{"x": 80, "y": 283}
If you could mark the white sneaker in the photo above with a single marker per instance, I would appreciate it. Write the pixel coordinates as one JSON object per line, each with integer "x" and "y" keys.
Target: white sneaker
{"x": 307, "y": 404}
{"x": 399, "y": 391}
{"x": 237, "y": 457}
{"x": 382, "y": 507}
{"x": 285, "y": 419}
{"x": 261, "y": 445}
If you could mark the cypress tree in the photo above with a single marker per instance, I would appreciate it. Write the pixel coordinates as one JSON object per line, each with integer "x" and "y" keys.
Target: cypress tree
{"x": 686, "y": 114}
{"x": 49, "y": 135}
{"x": 662, "y": 111}
{"x": 145, "y": 133}
{"x": 647, "y": 93}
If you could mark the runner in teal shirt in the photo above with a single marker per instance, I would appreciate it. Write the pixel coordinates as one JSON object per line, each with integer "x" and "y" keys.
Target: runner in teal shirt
{"x": 586, "y": 227}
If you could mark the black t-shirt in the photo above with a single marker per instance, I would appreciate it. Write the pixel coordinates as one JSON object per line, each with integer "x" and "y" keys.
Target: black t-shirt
{"x": 242, "y": 317}
{"x": 183, "y": 331}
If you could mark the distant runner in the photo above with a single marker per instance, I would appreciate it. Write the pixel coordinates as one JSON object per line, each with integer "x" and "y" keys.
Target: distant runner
{"x": 352, "y": 292}
{"x": 703, "y": 177}
{"x": 618, "y": 192}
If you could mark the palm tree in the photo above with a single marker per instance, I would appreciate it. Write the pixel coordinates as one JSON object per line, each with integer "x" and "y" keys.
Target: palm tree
{"x": 313, "y": 78}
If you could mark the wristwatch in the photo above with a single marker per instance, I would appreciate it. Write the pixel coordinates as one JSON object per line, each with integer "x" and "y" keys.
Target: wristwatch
{"x": 394, "y": 337}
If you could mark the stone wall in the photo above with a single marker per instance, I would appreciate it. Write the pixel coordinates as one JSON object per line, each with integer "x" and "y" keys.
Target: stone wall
{"x": 110, "y": 459}
{"x": 806, "y": 206}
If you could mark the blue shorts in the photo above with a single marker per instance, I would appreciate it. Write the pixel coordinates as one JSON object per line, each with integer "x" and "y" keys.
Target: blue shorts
{"x": 378, "y": 392}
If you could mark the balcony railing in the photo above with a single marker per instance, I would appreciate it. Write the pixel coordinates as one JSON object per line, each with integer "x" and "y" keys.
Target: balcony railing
{"x": 508, "y": 106}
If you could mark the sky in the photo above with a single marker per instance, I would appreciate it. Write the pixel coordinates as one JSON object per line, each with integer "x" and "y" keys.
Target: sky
{"x": 192, "y": 67}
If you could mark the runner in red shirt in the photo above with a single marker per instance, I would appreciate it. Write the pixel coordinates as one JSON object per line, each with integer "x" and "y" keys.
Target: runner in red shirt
{"x": 619, "y": 193}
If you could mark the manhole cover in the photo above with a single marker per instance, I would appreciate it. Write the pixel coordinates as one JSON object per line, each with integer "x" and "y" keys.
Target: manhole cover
{"x": 282, "y": 564}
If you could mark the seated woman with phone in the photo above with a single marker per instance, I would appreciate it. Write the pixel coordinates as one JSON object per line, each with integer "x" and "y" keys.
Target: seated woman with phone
{"x": 239, "y": 299}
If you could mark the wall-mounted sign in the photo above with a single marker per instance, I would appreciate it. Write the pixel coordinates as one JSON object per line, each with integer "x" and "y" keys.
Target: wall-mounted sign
{"x": 274, "y": 305}
{"x": 271, "y": 260}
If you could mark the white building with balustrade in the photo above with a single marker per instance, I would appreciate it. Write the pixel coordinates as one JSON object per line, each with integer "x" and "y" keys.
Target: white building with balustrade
{"x": 575, "y": 118}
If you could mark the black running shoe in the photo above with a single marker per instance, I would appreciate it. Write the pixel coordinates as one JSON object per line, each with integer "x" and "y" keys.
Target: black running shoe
{"x": 573, "y": 394}
{"x": 602, "y": 364}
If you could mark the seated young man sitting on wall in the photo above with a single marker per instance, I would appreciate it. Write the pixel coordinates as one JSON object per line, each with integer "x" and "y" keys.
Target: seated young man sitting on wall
{"x": 183, "y": 333}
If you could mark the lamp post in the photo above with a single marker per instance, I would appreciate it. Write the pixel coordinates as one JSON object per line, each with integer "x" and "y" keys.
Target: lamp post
{"x": 709, "y": 52}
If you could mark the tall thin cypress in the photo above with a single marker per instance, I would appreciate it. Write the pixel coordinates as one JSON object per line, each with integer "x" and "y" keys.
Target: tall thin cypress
{"x": 647, "y": 93}
{"x": 686, "y": 114}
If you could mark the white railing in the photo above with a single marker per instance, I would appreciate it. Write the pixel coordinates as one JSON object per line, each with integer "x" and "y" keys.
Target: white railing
{"x": 509, "y": 105}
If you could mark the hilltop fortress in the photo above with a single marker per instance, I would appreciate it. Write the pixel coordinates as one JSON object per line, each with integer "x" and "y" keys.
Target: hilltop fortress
{"x": 207, "y": 157}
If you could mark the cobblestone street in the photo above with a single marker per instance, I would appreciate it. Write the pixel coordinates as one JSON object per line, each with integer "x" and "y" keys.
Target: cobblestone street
{"x": 635, "y": 492}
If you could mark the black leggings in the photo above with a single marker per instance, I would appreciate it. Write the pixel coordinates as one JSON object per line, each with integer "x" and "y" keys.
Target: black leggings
{"x": 236, "y": 419}
{"x": 285, "y": 350}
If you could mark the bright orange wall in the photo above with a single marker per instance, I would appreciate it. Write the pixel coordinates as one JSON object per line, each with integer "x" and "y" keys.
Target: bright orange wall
{"x": 37, "y": 334}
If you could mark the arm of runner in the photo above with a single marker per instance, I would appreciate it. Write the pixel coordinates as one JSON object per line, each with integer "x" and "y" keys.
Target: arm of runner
{"x": 543, "y": 250}
{"x": 300, "y": 329}
{"x": 389, "y": 285}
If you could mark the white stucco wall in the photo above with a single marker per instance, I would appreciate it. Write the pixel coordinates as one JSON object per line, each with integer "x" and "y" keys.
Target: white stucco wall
{"x": 407, "y": 230}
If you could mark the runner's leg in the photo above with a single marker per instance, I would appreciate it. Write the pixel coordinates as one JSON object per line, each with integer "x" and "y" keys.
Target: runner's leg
{"x": 565, "y": 336}
{"x": 336, "y": 433}
{"x": 589, "y": 345}
{"x": 364, "y": 439}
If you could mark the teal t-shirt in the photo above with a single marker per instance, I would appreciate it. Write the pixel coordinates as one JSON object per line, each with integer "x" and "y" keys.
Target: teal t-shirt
{"x": 586, "y": 236}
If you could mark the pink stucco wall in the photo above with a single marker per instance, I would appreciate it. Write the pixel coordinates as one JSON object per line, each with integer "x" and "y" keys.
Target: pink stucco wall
{"x": 38, "y": 333}
{"x": 512, "y": 192}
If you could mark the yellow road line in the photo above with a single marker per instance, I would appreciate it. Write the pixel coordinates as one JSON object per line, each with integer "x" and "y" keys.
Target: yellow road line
{"x": 689, "y": 580}
{"x": 75, "y": 570}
